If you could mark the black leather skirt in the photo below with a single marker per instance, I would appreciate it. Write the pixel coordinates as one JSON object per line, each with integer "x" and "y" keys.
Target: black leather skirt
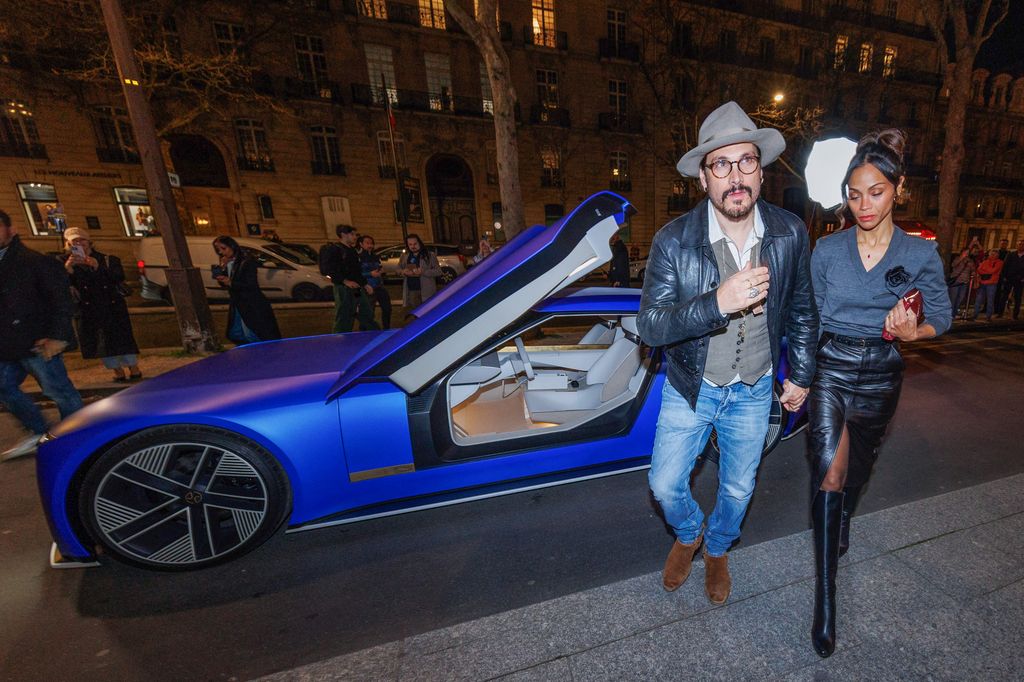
{"x": 856, "y": 385}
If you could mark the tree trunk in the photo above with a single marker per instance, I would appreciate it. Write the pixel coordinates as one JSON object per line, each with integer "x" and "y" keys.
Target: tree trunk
{"x": 953, "y": 152}
{"x": 483, "y": 30}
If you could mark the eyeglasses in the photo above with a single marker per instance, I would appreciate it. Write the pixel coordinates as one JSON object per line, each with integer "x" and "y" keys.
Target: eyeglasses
{"x": 721, "y": 168}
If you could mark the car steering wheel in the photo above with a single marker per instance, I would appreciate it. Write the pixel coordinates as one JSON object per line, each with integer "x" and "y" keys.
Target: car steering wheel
{"x": 527, "y": 367}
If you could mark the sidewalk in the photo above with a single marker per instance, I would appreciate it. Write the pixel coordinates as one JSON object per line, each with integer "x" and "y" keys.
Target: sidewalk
{"x": 930, "y": 590}
{"x": 95, "y": 381}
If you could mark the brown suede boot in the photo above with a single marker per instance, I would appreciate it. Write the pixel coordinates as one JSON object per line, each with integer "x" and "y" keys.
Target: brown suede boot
{"x": 677, "y": 566}
{"x": 717, "y": 583}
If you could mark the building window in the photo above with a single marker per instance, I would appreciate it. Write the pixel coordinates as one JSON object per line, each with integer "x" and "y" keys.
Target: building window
{"x": 162, "y": 33}
{"x": 485, "y": 91}
{"x": 544, "y": 23}
{"x": 432, "y": 13}
{"x": 1018, "y": 209}
{"x": 326, "y": 151}
{"x": 266, "y": 206}
{"x": 133, "y": 206}
{"x": 230, "y": 37}
{"x": 618, "y": 167}
{"x": 18, "y": 133}
{"x": 726, "y": 44}
{"x": 439, "y": 81}
{"x": 45, "y": 214}
{"x": 380, "y": 65}
{"x": 767, "y": 51}
{"x": 387, "y": 167}
{"x": 890, "y": 8}
{"x": 866, "y": 55}
{"x": 552, "y": 213}
{"x": 312, "y": 62}
{"x": 889, "y": 62}
{"x": 547, "y": 88}
{"x": 617, "y": 98}
{"x": 616, "y": 23}
{"x": 253, "y": 150}
{"x": 839, "y": 58}
{"x": 114, "y": 135}
{"x": 551, "y": 168}
{"x": 375, "y": 9}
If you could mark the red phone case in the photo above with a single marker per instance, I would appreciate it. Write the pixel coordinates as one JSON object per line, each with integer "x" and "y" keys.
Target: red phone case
{"x": 914, "y": 301}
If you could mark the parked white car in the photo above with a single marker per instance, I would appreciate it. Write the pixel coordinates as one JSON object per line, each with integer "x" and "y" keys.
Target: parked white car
{"x": 452, "y": 262}
{"x": 284, "y": 272}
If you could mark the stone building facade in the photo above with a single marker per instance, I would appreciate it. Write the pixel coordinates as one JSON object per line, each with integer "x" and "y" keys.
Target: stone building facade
{"x": 610, "y": 93}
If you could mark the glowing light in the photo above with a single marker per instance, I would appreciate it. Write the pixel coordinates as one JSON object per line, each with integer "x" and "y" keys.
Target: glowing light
{"x": 826, "y": 167}
{"x": 778, "y": 98}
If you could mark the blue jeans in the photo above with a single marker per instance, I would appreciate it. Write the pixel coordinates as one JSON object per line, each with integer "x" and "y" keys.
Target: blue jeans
{"x": 52, "y": 378}
{"x": 739, "y": 414}
{"x": 986, "y": 299}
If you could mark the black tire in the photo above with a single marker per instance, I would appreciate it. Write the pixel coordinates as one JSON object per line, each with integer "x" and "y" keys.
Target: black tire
{"x": 448, "y": 275}
{"x": 306, "y": 292}
{"x": 778, "y": 417}
{"x": 180, "y": 498}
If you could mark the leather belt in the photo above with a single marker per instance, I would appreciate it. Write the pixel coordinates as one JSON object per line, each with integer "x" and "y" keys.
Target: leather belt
{"x": 859, "y": 341}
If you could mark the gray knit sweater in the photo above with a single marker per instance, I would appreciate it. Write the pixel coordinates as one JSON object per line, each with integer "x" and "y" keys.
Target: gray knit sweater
{"x": 854, "y": 302}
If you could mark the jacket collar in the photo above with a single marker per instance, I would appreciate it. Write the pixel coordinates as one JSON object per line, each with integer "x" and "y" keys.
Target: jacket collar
{"x": 695, "y": 224}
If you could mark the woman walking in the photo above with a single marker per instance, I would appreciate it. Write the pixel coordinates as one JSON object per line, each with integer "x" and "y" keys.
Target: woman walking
{"x": 250, "y": 317}
{"x": 861, "y": 276}
{"x": 104, "y": 327}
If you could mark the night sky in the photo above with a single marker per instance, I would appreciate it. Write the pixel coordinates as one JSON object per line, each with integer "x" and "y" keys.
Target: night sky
{"x": 1004, "y": 52}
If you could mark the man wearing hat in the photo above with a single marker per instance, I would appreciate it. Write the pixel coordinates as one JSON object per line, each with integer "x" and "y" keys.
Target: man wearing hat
{"x": 724, "y": 283}
{"x": 35, "y": 326}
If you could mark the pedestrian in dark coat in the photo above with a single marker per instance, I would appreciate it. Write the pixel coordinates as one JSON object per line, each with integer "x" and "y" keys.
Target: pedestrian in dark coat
{"x": 618, "y": 271}
{"x": 250, "y": 317}
{"x": 35, "y": 327}
{"x": 104, "y": 327}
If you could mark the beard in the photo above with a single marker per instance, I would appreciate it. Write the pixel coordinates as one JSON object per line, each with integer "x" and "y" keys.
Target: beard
{"x": 732, "y": 210}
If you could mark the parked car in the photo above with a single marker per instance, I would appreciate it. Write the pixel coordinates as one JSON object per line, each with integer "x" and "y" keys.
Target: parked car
{"x": 505, "y": 380}
{"x": 638, "y": 269}
{"x": 285, "y": 272}
{"x": 449, "y": 256}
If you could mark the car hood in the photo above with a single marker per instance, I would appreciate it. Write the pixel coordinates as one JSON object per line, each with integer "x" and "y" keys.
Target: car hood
{"x": 537, "y": 263}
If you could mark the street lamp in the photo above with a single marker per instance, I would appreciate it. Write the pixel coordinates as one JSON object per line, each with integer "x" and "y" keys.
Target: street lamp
{"x": 778, "y": 97}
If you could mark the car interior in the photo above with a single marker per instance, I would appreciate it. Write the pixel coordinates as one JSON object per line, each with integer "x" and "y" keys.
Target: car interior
{"x": 554, "y": 376}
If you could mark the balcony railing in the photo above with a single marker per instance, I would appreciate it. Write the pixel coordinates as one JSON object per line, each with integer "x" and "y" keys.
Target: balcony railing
{"x": 622, "y": 123}
{"x": 117, "y": 155}
{"x": 620, "y": 184}
{"x": 556, "y": 40}
{"x": 551, "y": 179}
{"x": 25, "y": 151}
{"x": 316, "y": 90}
{"x": 612, "y": 49}
{"x": 262, "y": 165}
{"x": 416, "y": 100}
{"x": 878, "y": 21}
{"x": 325, "y": 167}
{"x": 399, "y": 13}
{"x": 388, "y": 172}
{"x": 552, "y": 116}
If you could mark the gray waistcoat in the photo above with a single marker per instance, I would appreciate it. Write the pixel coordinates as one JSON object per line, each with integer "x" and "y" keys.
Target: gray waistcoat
{"x": 743, "y": 346}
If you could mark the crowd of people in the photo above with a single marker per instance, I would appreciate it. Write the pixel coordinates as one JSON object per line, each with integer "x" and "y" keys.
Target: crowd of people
{"x": 995, "y": 276}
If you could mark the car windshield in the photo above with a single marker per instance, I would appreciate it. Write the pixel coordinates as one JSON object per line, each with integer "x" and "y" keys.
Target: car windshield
{"x": 289, "y": 254}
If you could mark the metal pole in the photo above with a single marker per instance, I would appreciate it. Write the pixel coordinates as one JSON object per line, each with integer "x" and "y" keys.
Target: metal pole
{"x": 394, "y": 160}
{"x": 183, "y": 279}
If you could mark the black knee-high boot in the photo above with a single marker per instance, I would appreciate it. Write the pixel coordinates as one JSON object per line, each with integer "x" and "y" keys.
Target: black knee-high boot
{"x": 827, "y": 514}
{"x": 849, "y": 505}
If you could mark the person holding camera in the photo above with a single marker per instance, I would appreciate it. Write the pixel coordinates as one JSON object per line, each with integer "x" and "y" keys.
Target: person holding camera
{"x": 104, "y": 326}
{"x": 250, "y": 317}
{"x": 35, "y": 328}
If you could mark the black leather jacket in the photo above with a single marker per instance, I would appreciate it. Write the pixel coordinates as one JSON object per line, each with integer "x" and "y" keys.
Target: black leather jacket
{"x": 679, "y": 308}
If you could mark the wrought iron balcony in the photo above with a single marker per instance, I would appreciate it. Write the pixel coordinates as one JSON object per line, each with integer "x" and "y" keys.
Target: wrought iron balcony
{"x": 416, "y": 100}
{"x": 611, "y": 49}
{"x": 551, "y": 179}
{"x": 399, "y": 13}
{"x": 552, "y": 116}
{"x": 620, "y": 184}
{"x": 25, "y": 151}
{"x": 622, "y": 123}
{"x": 556, "y": 40}
{"x": 117, "y": 155}
{"x": 259, "y": 164}
{"x": 326, "y": 167}
{"x": 315, "y": 90}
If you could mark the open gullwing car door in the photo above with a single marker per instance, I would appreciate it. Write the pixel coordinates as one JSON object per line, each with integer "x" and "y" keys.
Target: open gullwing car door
{"x": 503, "y": 287}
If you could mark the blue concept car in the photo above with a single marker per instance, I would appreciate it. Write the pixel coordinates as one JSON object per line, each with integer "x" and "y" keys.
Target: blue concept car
{"x": 504, "y": 381}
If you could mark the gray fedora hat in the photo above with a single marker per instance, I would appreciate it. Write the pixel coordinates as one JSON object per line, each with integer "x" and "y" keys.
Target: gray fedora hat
{"x": 726, "y": 125}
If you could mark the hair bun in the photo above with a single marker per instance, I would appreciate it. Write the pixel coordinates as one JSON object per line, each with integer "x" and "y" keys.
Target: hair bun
{"x": 893, "y": 140}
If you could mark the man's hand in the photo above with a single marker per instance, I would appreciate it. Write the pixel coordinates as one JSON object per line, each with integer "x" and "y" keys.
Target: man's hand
{"x": 350, "y": 284}
{"x": 793, "y": 396}
{"x": 901, "y": 322}
{"x": 368, "y": 289}
{"x": 734, "y": 294}
{"x": 49, "y": 348}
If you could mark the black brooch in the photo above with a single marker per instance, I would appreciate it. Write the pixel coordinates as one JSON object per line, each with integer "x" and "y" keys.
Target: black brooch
{"x": 896, "y": 277}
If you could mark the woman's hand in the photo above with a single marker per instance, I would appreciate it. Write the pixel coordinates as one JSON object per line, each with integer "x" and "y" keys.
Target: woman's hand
{"x": 902, "y": 323}
{"x": 222, "y": 280}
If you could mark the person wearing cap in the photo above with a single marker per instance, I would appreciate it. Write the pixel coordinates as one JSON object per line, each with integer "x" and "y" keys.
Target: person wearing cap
{"x": 35, "y": 327}
{"x": 352, "y": 292}
{"x": 104, "y": 326}
{"x": 724, "y": 283}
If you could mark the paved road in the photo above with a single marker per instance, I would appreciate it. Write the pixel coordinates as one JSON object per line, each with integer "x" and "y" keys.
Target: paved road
{"x": 309, "y": 596}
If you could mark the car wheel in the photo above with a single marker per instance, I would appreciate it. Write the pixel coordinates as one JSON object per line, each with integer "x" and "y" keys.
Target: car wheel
{"x": 778, "y": 417}
{"x": 179, "y": 498}
{"x": 448, "y": 275}
{"x": 305, "y": 292}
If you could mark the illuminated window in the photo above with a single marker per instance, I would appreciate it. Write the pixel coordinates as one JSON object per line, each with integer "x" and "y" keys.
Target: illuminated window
{"x": 432, "y": 13}
{"x": 866, "y": 55}
{"x": 44, "y": 212}
{"x": 544, "y": 23}
{"x": 889, "y": 62}
{"x": 551, "y": 167}
{"x": 618, "y": 167}
{"x": 18, "y": 132}
{"x": 439, "y": 81}
{"x": 253, "y": 150}
{"x": 375, "y": 9}
{"x": 133, "y": 207}
{"x": 839, "y": 61}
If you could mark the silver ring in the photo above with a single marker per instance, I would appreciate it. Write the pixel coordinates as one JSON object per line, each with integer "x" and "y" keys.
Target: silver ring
{"x": 753, "y": 293}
